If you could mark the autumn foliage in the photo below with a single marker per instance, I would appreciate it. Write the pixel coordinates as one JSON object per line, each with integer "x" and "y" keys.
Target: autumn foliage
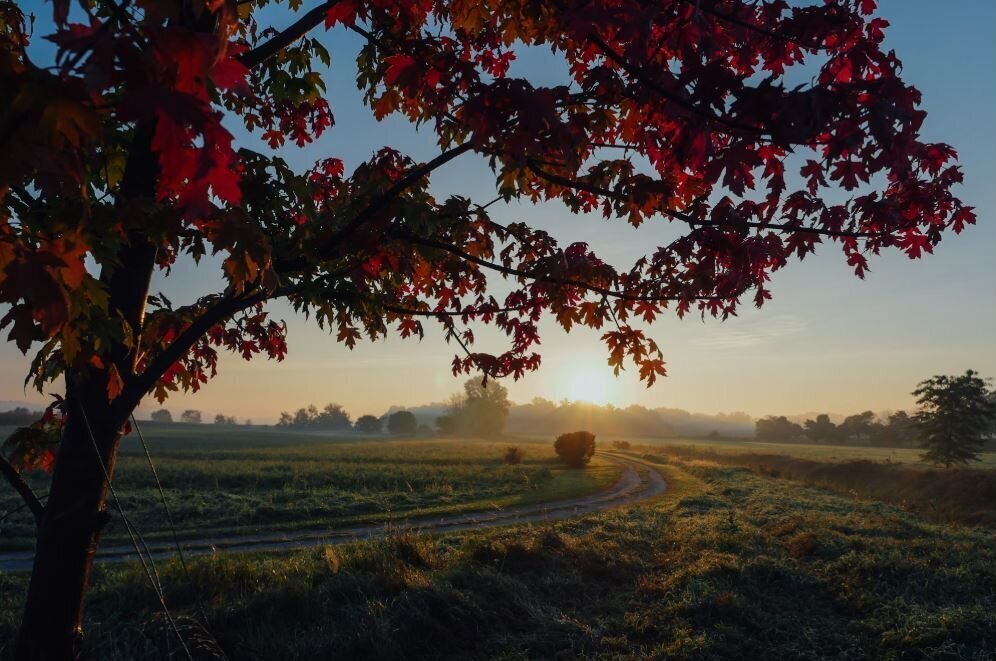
{"x": 118, "y": 158}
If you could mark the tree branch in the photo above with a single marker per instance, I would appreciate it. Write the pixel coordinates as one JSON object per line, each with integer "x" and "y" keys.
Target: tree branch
{"x": 228, "y": 306}
{"x": 22, "y": 488}
{"x": 566, "y": 282}
{"x": 677, "y": 99}
{"x": 380, "y": 202}
{"x": 692, "y": 220}
{"x": 283, "y": 39}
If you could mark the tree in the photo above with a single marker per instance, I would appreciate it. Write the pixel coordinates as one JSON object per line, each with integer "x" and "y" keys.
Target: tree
{"x": 402, "y": 422}
{"x": 576, "y": 448}
{"x": 162, "y": 415}
{"x": 190, "y": 416}
{"x": 857, "y": 428}
{"x": 777, "y": 428}
{"x": 333, "y": 416}
{"x": 117, "y": 162}
{"x": 900, "y": 431}
{"x": 955, "y": 417}
{"x": 480, "y": 411}
{"x": 821, "y": 430}
{"x": 368, "y": 424}
{"x": 221, "y": 419}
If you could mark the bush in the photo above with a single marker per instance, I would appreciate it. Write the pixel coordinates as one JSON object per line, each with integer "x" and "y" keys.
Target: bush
{"x": 621, "y": 445}
{"x": 513, "y": 455}
{"x": 576, "y": 448}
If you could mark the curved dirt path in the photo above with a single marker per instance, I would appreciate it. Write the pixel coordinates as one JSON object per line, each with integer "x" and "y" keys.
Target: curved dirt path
{"x": 638, "y": 482}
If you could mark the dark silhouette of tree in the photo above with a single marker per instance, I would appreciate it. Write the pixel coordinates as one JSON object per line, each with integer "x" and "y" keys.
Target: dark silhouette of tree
{"x": 117, "y": 163}
{"x": 368, "y": 424}
{"x": 900, "y": 430}
{"x": 447, "y": 424}
{"x": 778, "y": 428}
{"x": 576, "y": 448}
{"x": 402, "y": 422}
{"x": 857, "y": 429}
{"x": 821, "y": 430}
{"x": 162, "y": 415}
{"x": 955, "y": 417}
{"x": 191, "y": 416}
{"x": 335, "y": 417}
{"x": 19, "y": 415}
{"x": 221, "y": 419}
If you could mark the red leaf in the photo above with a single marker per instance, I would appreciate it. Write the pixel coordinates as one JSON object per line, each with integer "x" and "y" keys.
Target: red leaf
{"x": 340, "y": 12}
{"x": 114, "y": 383}
{"x": 397, "y": 67}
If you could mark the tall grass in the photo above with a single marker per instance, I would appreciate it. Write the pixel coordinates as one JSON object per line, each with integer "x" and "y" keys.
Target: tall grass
{"x": 730, "y": 564}
{"x": 959, "y": 495}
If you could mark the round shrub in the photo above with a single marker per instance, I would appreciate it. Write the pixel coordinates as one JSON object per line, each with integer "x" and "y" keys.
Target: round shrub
{"x": 575, "y": 449}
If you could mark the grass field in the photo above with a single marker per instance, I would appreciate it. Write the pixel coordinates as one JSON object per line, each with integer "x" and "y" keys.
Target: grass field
{"x": 222, "y": 481}
{"x": 907, "y": 456}
{"x": 730, "y": 564}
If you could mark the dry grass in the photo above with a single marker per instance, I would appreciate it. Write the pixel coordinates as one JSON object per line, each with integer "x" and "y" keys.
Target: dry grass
{"x": 959, "y": 495}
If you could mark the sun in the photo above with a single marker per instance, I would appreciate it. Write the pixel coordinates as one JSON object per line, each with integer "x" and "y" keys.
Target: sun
{"x": 589, "y": 383}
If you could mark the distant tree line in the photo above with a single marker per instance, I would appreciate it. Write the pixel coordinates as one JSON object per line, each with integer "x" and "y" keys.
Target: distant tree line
{"x": 898, "y": 430}
{"x": 955, "y": 421}
{"x": 335, "y": 418}
{"x": 19, "y": 417}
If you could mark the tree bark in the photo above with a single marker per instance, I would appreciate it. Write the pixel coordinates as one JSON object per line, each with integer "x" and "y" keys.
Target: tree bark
{"x": 75, "y": 514}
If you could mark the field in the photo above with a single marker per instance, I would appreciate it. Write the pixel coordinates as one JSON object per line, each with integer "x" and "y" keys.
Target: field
{"x": 238, "y": 481}
{"x": 835, "y": 453}
{"x": 729, "y": 564}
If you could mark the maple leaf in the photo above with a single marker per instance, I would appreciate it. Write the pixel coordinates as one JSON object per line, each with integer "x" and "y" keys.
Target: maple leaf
{"x": 340, "y": 12}
{"x": 398, "y": 67}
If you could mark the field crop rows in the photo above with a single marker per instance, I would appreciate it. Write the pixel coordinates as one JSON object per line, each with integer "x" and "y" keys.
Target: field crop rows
{"x": 243, "y": 481}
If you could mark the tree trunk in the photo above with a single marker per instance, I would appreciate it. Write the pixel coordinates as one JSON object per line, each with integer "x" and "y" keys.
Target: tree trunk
{"x": 75, "y": 514}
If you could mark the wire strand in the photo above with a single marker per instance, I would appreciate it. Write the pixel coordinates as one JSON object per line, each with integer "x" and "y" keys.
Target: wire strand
{"x": 172, "y": 526}
{"x": 150, "y": 573}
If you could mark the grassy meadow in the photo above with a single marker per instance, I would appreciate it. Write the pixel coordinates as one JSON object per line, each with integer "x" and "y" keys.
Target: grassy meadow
{"x": 821, "y": 452}
{"x": 728, "y": 564}
{"x": 231, "y": 480}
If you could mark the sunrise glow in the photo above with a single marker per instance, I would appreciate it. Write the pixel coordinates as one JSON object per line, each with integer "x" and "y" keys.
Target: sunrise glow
{"x": 589, "y": 383}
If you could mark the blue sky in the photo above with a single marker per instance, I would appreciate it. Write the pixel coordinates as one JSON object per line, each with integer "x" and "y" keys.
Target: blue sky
{"x": 827, "y": 342}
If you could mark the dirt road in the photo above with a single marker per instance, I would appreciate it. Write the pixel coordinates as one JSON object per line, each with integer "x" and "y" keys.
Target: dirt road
{"x": 637, "y": 482}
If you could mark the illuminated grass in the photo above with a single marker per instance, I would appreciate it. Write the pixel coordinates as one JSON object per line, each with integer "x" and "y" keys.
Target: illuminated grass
{"x": 234, "y": 481}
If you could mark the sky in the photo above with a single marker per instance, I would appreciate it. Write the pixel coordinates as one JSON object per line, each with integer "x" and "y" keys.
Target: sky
{"x": 826, "y": 342}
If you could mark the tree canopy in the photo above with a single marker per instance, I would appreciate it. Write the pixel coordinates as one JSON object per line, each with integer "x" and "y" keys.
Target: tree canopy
{"x": 121, "y": 153}
{"x": 481, "y": 410}
{"x": 118, "y": 159}
{"x": 956, "y": 417}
